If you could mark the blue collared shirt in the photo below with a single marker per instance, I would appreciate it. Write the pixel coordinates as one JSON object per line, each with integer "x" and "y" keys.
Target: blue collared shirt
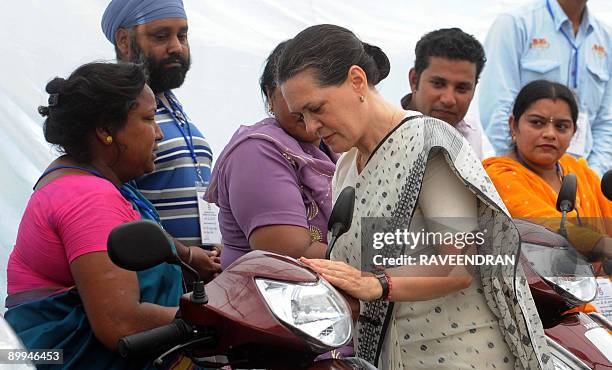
{"x": 171, "y": 187}
{"x": 537, "y": 42}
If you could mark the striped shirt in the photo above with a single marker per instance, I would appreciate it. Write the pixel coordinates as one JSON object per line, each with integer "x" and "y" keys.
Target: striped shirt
{"x": 171, "y": 187}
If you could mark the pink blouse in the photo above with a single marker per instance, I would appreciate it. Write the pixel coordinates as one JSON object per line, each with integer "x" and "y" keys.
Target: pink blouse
{"x": 63, "y": 220}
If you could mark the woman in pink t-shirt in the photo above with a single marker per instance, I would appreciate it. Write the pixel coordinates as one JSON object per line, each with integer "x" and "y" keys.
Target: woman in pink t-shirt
{"x": 64, "y": 291}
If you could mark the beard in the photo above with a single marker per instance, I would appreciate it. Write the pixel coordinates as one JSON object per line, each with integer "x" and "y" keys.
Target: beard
{"x": 160, "y": 77}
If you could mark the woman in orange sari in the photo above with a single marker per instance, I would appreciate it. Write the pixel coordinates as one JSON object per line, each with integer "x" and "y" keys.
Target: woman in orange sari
{"x": 529, "y": 176}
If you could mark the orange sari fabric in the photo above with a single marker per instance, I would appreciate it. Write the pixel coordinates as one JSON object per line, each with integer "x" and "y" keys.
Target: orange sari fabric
{"x": 528, "y": 196}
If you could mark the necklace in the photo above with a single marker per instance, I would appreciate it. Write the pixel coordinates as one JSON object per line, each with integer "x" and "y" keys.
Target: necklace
{"x": 558, "y": 169}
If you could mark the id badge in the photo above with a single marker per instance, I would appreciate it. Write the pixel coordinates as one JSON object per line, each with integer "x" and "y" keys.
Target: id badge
{"x": 578, "y": 145}
{"x": 208, "y": 216}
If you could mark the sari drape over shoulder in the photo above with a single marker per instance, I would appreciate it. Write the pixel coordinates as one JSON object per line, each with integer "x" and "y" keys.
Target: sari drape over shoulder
{"x": 388, "y": 188}
{"x": 528, "y": 196}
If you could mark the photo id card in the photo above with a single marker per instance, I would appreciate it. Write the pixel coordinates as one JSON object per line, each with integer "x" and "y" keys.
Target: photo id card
{"x": 578, "y": 145}
{"x": 209, "y": 222}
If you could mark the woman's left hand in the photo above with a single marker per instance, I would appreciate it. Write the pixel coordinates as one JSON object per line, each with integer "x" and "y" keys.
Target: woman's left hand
{"x": 361, "y": 285}
{"x": 206, "y": 263}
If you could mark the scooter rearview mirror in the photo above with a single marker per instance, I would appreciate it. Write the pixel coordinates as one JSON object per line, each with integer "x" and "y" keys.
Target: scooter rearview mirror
{"x": 606, "y": 184}
{"x": 341, "y": 217}
{"x": 140, "y": 245}
{"x": 567, "y": 194}
{"x": 566, "y": 200}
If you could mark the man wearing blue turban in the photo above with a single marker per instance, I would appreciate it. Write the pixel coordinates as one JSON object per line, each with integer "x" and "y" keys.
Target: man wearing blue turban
{"x": 154, "y": 32}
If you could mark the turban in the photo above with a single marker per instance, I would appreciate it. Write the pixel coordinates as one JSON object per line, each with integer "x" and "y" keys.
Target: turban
{"x": 128, "y": 13}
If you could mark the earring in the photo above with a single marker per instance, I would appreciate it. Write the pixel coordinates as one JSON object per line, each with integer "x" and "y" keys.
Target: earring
{"x": 513, "y": 139}
{"x": 362, "y": 98}
{"x": 109, "y": 139}
{"x": 271, "y": 111}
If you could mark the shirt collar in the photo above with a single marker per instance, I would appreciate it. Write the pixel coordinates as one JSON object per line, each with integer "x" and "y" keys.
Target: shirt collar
{"x": 407, "y": 105}
{"x": 465, "y": 123}
{"x": 407, "y": 102}
{"x": 559, "y": 16}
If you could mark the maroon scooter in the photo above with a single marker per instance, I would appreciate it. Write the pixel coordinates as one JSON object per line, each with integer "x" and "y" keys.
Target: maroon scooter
{"x": 560, "y": 279}
{"x": 264, "y": 311}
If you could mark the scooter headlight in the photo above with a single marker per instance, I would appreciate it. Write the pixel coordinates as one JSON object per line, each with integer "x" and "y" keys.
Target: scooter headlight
{"x": 583, "y": 288}
{"x": 314, "y": 309}
{"x": 565, "y": 269}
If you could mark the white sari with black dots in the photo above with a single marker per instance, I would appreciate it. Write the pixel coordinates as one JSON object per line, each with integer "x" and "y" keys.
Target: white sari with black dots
{"x": 490, "y": 325}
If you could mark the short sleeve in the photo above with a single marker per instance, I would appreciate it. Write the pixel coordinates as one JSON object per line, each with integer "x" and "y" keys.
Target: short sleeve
{"x": 447, "y": 204}
{"x": 85, "y": 223}
{"x": 263, "y": 187}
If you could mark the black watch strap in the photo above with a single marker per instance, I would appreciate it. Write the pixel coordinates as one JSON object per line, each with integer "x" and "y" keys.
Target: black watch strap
{"x": 383, "y": 279}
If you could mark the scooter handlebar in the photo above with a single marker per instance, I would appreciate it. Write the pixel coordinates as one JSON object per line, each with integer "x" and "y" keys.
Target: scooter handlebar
{"x": 144, "y": 342}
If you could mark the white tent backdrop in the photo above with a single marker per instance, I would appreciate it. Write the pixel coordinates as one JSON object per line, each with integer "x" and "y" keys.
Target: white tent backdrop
{"x": 229, "y": 42}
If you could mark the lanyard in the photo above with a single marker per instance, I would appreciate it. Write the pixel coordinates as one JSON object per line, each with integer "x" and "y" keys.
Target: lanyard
{"x": 180, "y": 121}
{"x": 574, "y": 63}
{"x": 140, "y": 204}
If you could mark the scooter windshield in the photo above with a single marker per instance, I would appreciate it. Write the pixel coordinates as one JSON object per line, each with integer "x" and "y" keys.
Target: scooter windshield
{"x": 564, "y": 268}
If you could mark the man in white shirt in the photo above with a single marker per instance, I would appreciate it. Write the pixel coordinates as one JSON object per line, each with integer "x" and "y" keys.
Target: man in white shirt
{"x": 447, "y": 65}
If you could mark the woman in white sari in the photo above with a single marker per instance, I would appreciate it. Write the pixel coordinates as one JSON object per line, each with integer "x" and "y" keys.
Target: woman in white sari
{"x": 407, "y": 169}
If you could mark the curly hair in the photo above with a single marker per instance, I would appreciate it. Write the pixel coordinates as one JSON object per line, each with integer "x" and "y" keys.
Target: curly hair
{"x": 448, "y": 43}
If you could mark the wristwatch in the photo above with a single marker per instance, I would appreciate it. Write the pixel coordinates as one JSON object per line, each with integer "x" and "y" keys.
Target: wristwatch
{"x": 383, "y": 279}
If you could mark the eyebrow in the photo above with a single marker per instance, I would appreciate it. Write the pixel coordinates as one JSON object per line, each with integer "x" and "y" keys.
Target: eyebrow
{"x": 435, "y": 77}
{"x": 465, "y": 84}
{"x": 166, "y": 29}
{"x": 306, "y": 106}
{"x": 535, "y": 115}
{"x": 460, "y": 83}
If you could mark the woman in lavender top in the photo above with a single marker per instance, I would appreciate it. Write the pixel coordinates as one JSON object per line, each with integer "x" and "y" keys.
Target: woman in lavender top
{"x": 272, "y": 183}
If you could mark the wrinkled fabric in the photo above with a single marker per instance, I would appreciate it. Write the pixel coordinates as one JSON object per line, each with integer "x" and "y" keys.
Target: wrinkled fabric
{"x": 388, "y": 188}
{"x": 527, "y": 195}
{"x": 290, "y": 184}
{"x": 59, "y": 321}
{"x": 128, "y": 13}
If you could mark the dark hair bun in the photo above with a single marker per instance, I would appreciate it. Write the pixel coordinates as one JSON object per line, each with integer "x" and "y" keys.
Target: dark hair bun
{"x": 43, "y": 111}
{"x": 330, "y": 51}
{"x": 56, "y": 85}
{"x": 381, "y": 60}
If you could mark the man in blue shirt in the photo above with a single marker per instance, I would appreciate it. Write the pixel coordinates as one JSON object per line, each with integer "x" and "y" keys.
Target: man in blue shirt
{"x": 154, "y": 32}
{"x": 557, "y": 40}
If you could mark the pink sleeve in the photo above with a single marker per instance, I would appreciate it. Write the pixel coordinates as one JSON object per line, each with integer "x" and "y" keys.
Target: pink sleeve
{"x": 85, "y": 223}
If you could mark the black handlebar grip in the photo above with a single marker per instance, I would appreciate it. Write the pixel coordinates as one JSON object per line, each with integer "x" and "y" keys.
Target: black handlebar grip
{"x": 147, "y": 341}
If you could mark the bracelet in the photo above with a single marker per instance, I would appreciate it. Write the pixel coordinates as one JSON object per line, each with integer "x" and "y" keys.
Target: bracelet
{"x": 190, "y": 256}
{"x": 385, "y": 283}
